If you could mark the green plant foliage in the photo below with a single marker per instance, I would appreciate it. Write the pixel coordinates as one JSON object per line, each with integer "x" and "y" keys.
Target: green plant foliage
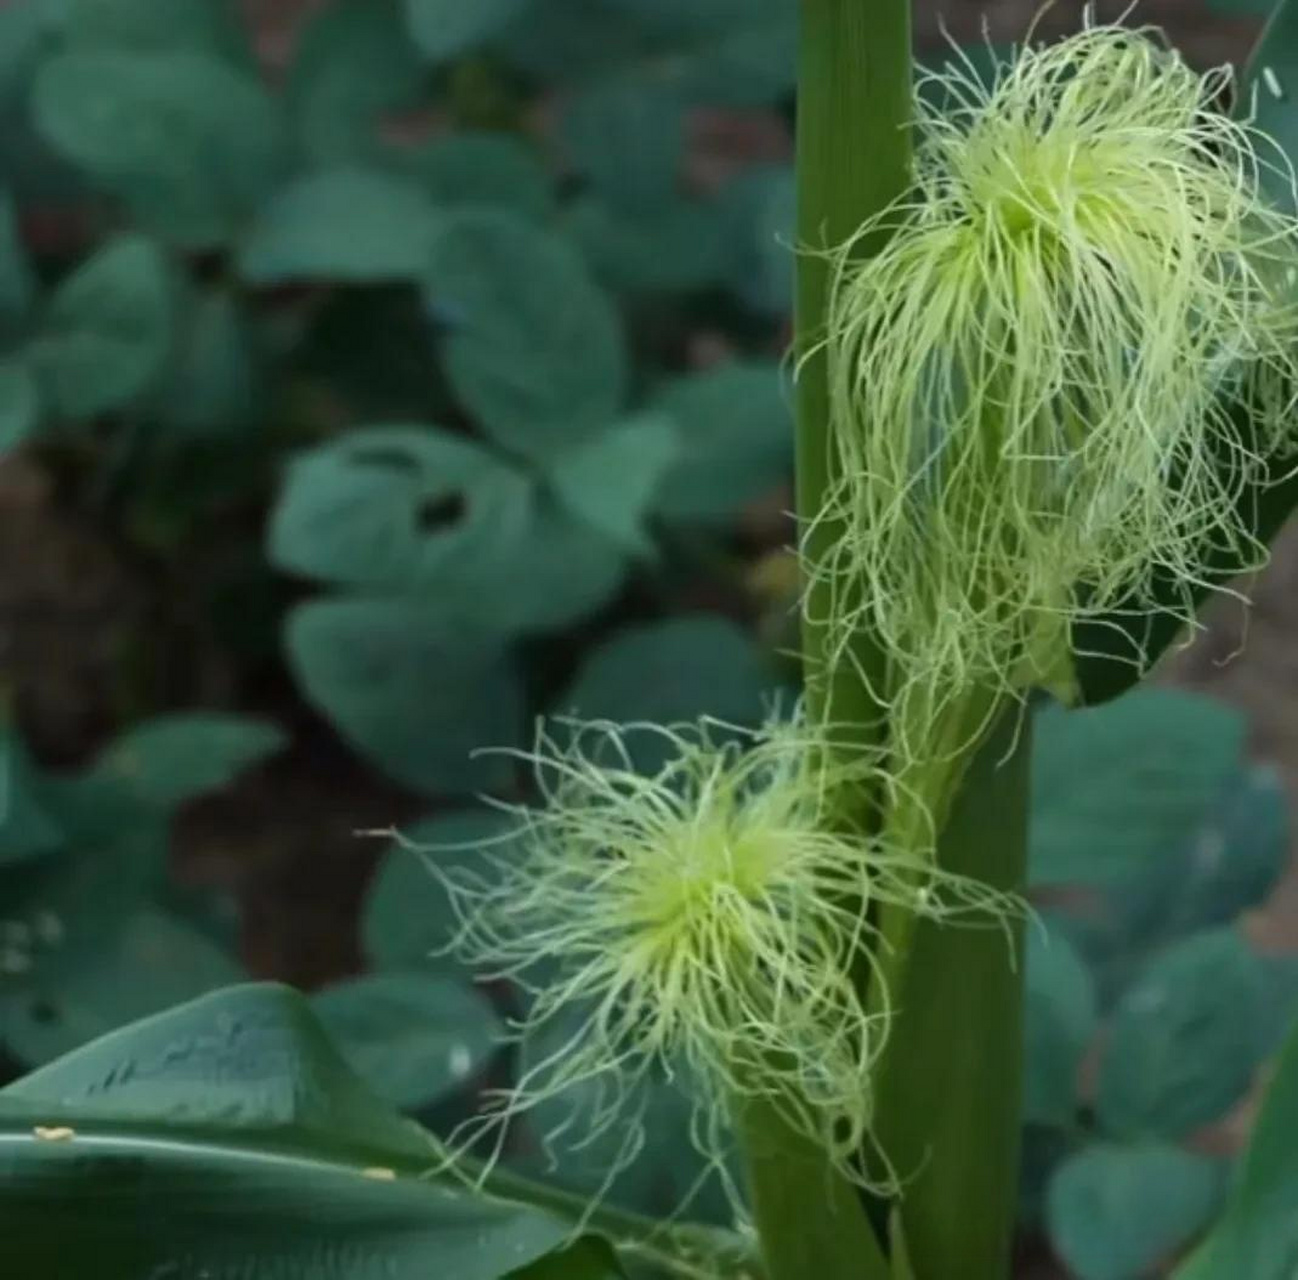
{"x": 610, "y": 482}
{"x": 481, "y": 168}
{"x": 761, "y": 213}
{"x": 533, "y": 347}
{"x": 1060, "y": 1023}
{"x": 443, "y": 28}
{"x": 17, "y": 286}
{"x": 237, "y": 1122}
{"x": 1116, "y": 786}
{"x": 106, "y": 331}
{"x": 627, "y": 140}
{"x": 19, "y": 405}
{"x": 734, "y": 428}
{"x": 1272, "y": 76}
{"x": 1116, "y": 1212}
{"x": 404, "y": 684}
{"x": 193, "y": 25}
{"x": 1185, "y": 1040}
{"x": 27, "y": 830}
{"x": 586, "y": 1260}
{"x": 347, "y": 224}
{"x": 354, "y": 65}
{"x": 411, "y": 1037}
{"x": 187, "y": 142}
{"x": 172, "y": 759}
{"x": 408, "y": 918}
{"x": 1257, "y": 1237}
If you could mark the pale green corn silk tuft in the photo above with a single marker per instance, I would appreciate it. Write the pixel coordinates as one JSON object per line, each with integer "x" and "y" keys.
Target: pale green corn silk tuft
{"x": 1031, "y": 382}
{"x": 700, "y": 922}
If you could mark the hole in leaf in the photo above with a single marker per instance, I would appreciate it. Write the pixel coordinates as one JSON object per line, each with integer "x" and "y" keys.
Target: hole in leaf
{"x": 439, "y": 513}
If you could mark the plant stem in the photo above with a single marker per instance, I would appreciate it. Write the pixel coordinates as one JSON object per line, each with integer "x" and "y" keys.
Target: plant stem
{"x": 854, "y": 112}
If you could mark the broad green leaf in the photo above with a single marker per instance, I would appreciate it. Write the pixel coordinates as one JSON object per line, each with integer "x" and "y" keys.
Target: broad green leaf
{"x": 588, "y": 1259}
{"x": 27, "y": 828}
{"x": 736, "y": 434}
{"x": 355, "y": 62}
{"x": 210, "y": 385}
{"x": 1115, "y": 1213}
{"x": 761, "y": 205}
{"x": 152, "y": 961}
{"x": 627, "y": 140}
{"x": 200, "y": 26}
{"x": 188, "y": 142}
{"x": 668, "y": 673}
{"x": 748, "y": 63}
{"x": 609, "y": 482}
{"x": 348, "y": 224}
{"x": 24, "y": 29}
{"x": 20, "y": 406}
{"x": 1258, "y": 8}
{"x": 479, "y": 168}
{"x": 444, "y": 28}
{"x": 1184, "y": 1043}
{"x": 106, "y": 332}
{"x": 409, "y": 688}
{"x": 682, "y": 247}
{"x": 1060, "y": 1019}
{"x": 412, "y": 1037}
{"x": 171, "y": 759}
{"x": 1257, "y": 1236}
{"x": 1116, "y": 786}
{"x": 408, "y": 918}
{"x": 226, "y": 1137}
{"x": 533, "y": 348}
{"x": 17, "y": 285}
{"x": 398, "y": 508}
{"x": 1271, "y": 80}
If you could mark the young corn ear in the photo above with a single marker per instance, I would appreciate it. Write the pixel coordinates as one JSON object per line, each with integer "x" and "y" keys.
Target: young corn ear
{"x": 1032, "y": 382}
{"x": 702, "y": 920}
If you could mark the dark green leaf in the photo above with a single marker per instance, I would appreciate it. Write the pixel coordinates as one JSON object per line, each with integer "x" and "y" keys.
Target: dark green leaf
{"x": 627, "y": 140}
{"x": 1059, "y": 1024}
{"x": 408, "y": 916}
{"x": 534, "y": 348}
{"x": 346, "y": 224}
{"x": 1257, "y": 1237}
{"x": 19, "y": 405}
{"x": 482, "y": 169}
{"x": 210, "y": 386}
{"x": 240, "y": 1143}
{"x": 610, "y": 482}
{"x": 412, "y": 1037}
{"x": 761, "y": 204}
{"x": 409, "y": 688}
{"x": 355, "y": 62}
{"x": 1184, "y": 1043}
{"x": 444, "y": 28}
{"x": 106, "y": 332}
{"x": 682, "y": 247}
{"x": 17, "y": 284}
{"x": 172, "y": 759}
{"x": 1116, "y": 786}
{"x": 1115, "y": 1213}
{"x": 200, "y": 26}
{"x": 589, "y": 1259}
{"x": 188, "y": 142}
{"x": 736, "y": 432}
{"x": 27, "y": 829}
{"x": 671, "y": 672}
{"x": 152, "y": 961}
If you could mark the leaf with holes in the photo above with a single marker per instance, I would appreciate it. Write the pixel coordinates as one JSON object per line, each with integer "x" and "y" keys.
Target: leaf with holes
{"x": 412, "y": 1037}
{"x": 347, "y": 224}
{"x": 188, "y": 142}
{"x": 106, "y": 332}
{"x": 533, "y": 347}
{"x": 1184, "y": 1042}
{"x": 409, "y": 688}
{"x": 1115, "y": 1213}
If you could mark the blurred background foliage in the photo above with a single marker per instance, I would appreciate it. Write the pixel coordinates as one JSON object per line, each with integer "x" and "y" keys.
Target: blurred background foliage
{"x": 379, "y": 375}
